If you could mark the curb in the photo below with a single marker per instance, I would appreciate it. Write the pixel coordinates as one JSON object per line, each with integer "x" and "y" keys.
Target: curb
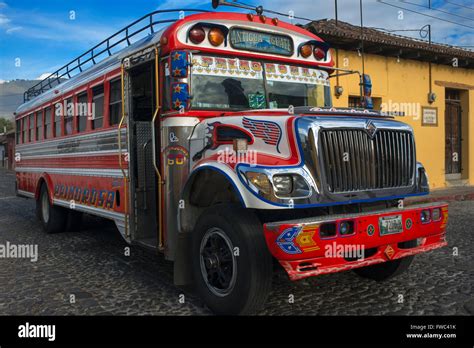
{"x": 444, "y": 198}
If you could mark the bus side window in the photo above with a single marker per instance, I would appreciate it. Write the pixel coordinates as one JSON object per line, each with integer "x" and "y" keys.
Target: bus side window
{"x": 57, "y": 119}
{"x": 18, "y": 131}
{"x": 68, "y": 116}
{"x": 115, "y": 102}
{"x": 31, "y": 133}
{"x": 98, "y": 106}
{"x": 48, "y": 130}
{"x": 39, "y": 125}
{"x": 82, "y": 111}
{"x": 25, "y": 128}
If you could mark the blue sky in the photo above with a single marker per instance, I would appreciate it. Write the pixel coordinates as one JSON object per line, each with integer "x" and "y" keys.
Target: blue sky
{"x": 44, "y": 37}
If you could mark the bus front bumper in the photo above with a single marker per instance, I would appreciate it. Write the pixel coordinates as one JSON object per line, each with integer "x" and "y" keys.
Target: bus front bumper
{"x": 334, "y": 243}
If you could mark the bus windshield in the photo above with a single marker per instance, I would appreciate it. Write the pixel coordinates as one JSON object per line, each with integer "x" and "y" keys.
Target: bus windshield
{"x": 231, "y": 83}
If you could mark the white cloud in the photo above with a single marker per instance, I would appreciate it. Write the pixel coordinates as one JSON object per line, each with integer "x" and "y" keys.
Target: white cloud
{"x": 13, "y": 29}
{"x": 4, "y": 20}
{"x": 43, "y": 76}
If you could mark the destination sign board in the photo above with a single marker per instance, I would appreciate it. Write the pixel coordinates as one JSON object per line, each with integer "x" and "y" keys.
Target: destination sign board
{"x": 261, "y": 41}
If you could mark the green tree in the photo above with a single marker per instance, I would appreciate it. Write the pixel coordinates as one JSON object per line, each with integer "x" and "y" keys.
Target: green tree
{"x": 5, "y": 123}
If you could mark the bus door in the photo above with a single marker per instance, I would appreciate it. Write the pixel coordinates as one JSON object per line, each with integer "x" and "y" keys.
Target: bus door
{"x": 140, "y": 102}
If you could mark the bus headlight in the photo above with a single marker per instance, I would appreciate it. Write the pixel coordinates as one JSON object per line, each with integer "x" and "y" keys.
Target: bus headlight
{"x": 283, "y": 184}
{"x": 260, "y": 181}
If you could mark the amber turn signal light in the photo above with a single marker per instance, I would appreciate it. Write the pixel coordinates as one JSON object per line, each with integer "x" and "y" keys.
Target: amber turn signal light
{"x": 305, "y": 51}
{"x": 215, "y": 36}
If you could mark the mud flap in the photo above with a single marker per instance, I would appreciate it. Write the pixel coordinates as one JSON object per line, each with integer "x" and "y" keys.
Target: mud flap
{"x": 182, "y": 273}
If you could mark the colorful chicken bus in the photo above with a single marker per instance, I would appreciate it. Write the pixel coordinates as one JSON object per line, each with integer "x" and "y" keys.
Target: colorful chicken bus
{"x": 212, "y": 140}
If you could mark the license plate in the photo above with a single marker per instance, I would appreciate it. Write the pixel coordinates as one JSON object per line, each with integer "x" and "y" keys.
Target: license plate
{"x": 390, "y": 225}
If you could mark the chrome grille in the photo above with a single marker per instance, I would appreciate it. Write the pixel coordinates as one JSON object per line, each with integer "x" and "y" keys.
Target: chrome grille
{"x": 352, "y": 161}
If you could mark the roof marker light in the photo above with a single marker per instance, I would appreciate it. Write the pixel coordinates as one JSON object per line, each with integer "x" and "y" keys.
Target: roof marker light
{"x": 215, "y": 36}
{"x": 305, "y": 51}
{"x": 197, "y": 35}
{"x": 319, "y": 53}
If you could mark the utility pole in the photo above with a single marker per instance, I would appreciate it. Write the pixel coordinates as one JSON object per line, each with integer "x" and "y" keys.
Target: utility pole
{"x": 362, "y": 51}
{"x": 429, "y": 63}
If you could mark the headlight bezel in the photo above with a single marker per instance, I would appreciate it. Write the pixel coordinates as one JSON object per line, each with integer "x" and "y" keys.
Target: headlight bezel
{"x": 300, "y": 186}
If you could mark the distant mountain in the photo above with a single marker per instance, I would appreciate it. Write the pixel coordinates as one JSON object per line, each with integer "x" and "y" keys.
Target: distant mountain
{"x": 11, "y": 95}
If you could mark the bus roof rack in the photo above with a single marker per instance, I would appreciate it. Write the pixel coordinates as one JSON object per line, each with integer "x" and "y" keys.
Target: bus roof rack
{"x": 91, "y": 56}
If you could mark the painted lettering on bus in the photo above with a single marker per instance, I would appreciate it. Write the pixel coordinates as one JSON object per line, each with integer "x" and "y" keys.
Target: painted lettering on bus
{"x": 84, "y": 195}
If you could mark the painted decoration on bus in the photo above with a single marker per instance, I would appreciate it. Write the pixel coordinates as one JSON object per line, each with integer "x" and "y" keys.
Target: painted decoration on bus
{"x": 298, "y": 239}
{"x": 260, "y": 41}
{"x": 268, "y": 131}
{"x": 179, "y": 95}
{"x": 84, "y": 195}
{"x": 176, "y": 155}
{"x": 228, "y": 67}
{"x": 297, "y": 74}
{"x": 179, "y": 64}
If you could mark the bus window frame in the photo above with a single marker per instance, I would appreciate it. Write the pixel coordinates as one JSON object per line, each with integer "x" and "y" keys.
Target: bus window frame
{"x": 66, "y": 97}
{"x": 58, "y": 102}
{"x": 40, "y": 110}
{"x": 78, "y": 94}
{"x": 115, "y": 78}
{"x": 17, "y": 131}
{"x": 45, "y": 107}
{"x": 24, "y": 119}
{"x": 91, "y": 88}
{"x": 262, "y": 62}
{"x": 31, "y": 136}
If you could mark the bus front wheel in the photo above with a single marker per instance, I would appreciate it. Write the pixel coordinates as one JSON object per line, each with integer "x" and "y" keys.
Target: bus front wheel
{"x": 232, "y": 266}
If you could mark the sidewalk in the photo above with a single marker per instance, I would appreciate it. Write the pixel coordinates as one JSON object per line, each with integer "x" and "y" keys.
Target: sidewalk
{"x": 450, "y": 194}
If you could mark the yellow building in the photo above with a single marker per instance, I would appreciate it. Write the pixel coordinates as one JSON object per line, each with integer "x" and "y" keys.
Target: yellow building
{"x": 407, "y": 74}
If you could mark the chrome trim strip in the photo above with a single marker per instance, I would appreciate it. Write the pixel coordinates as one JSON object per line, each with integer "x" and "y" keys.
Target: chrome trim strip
{"x": 93, "y": 144}
{"x": 74, "y": 154}
{"x": 79, "y": 136}
{"x": 91, "y": 210}
{"x": 25, "y": 193}
{"x": 112, "y": 173}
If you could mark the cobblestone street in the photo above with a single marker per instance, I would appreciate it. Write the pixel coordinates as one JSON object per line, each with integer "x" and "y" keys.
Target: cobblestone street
{"x": 91, "y": 265}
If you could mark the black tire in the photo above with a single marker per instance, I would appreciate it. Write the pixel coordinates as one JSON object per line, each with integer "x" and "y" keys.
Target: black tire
{"x": 386, "y": 270}
{"x": 74, "y": 221}
{"x": 252, "y": 275}
{"x": 52, "y": 217}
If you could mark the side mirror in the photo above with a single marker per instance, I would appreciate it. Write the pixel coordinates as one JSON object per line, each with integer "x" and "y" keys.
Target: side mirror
{"x": 180, "y": 96}
{"x": 179, "y": 63}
